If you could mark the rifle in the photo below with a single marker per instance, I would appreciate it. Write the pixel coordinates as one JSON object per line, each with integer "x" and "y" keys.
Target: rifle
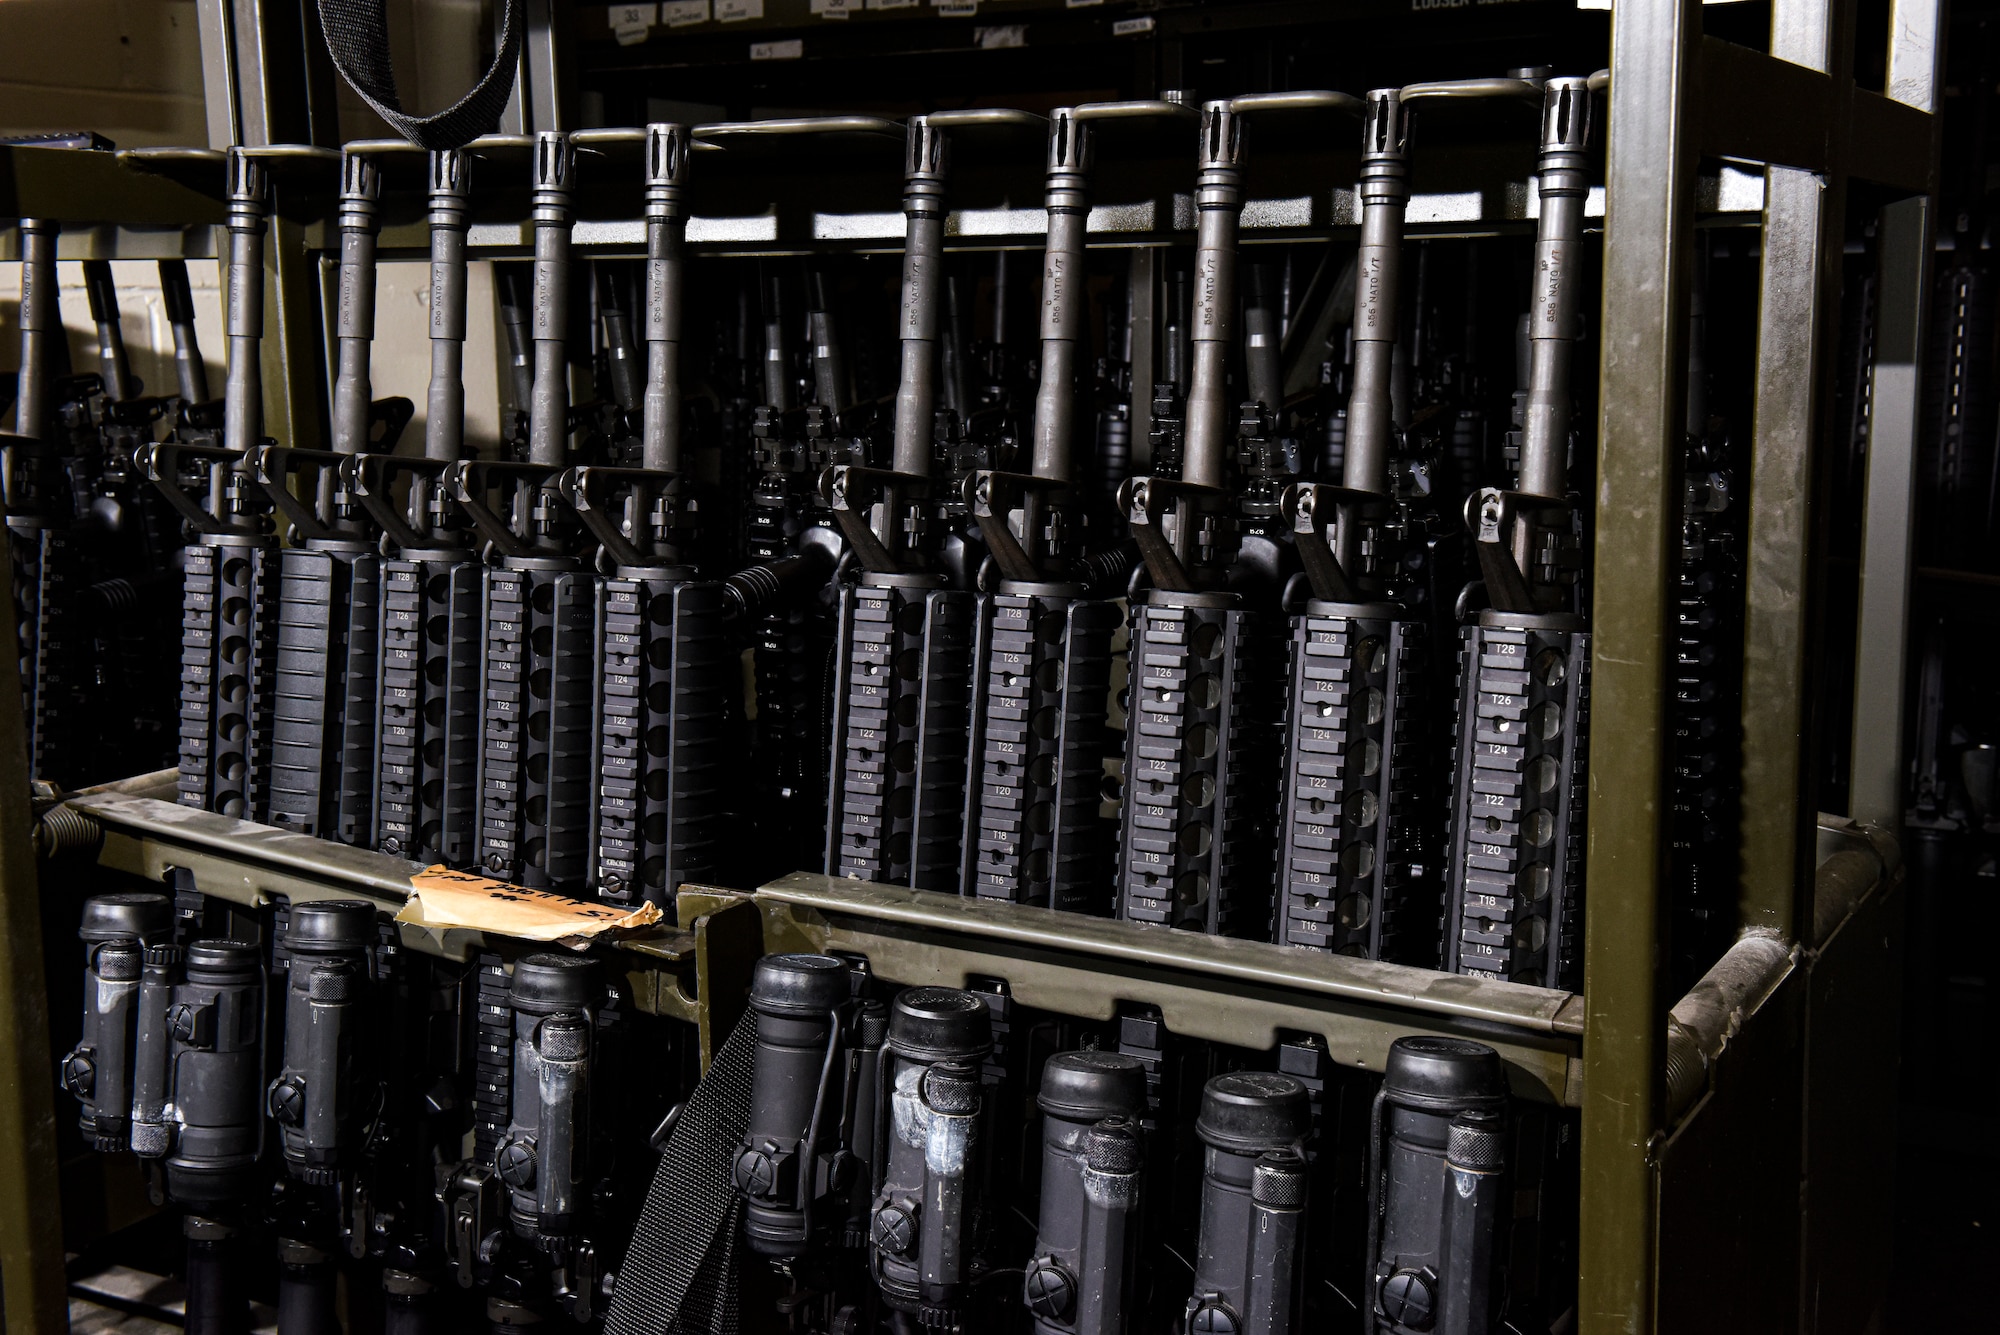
{"x": 662, "y": 650}
{"x": 393, "y": 1216}
{"x": 134, "y": 537}
{"x": 1195, "y": 746}
{"x": 977, "y": 429}
{"x": 230, "y": 575}
{"x": 1042, "y": 648}
{"x": 1514, "y": 900}
{"x": 1705, "y": 728}
{"x": 1355, "y": 837}
{"x": 797, "y": 547}
{"x": 49, "y": 555}
{"x": 895, "y": 808}
{"x": 540, "y": 651}
{"x": 330, "y": 585}
{"x": 511, "y": 294}
{"x": 1167, "y": 436}
{"x": 427, "y": 728}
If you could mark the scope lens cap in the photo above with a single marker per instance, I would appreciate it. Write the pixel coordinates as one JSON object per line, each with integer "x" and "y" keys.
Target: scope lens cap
{"x": 1253, "y": 1112}
{"x": 935, "y": 1024}
{"x": 1091, "y": 1086}
{"x": 330, "y": 924}
{"x": 1435, "y": 1072}
{"x": 545, "y": 983}
{"x": 805, "y": 986}
{"x": 215, "y": 960}
{"x": 135, "y": 916}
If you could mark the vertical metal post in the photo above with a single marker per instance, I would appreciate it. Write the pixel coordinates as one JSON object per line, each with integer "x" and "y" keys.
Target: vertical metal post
{"x": 537, "y": 102}
{"x": 296, "y": 385}
{"x": 256, "y": 113}
{"x": 1649, "y": 179}
{"x": 31, "y": 1255}
{"x": 266, "y": 76}
{"x": 216, "y": 20}
{"x": 1875, "y": 778}
{"x": 1798, "y": 306}
{"x": 1916, "y": 49}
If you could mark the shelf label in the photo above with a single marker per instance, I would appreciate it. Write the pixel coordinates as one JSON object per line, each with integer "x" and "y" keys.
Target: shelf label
{"x": 631, "y": 23}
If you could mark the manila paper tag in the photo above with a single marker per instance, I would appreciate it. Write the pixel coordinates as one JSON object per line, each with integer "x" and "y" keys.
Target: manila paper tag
{"x": 441, "y": 898}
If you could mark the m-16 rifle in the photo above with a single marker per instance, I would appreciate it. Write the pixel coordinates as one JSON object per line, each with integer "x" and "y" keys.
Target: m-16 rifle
{"x": 662, "y": 648}
{"x": 1514, "y": 899}
{"x": 978, "y": 427}
{"x": 1708, "y": 681}
{"x": 619, "y": 368}
{"x": 797, "y": 546}
{"x": 323, "y": 776}
{"x": 1267, "y": 458}
{"x": 1195, "y": 747}
{"x": 1167, "y": 435}
{"x": 136, "y": 536}
{"x": 230, "y": 569}
{"x": 427, "y": 731}
{"x": 895, "y": 808}
{"x": 540, "y": 673}
{"x": 48, "y": 553}
{"x": 1111, "y": 402}
{"x": 1354, "y": 834}
{"x": 392, "y": 1216}
{"x": 511, "y": 286}
{"x": 1042, "y": 647}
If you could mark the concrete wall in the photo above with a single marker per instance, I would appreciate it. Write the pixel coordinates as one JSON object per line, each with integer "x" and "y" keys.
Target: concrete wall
{"x": 129, "y": 69}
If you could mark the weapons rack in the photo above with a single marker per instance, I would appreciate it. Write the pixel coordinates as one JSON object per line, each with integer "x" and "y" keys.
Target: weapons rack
{"x": 1700, "y": 1116}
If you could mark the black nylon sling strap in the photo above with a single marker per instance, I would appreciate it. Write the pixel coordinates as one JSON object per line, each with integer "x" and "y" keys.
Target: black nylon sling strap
{"x": 357, "y": 35}
{"x": 679, "y": 1272}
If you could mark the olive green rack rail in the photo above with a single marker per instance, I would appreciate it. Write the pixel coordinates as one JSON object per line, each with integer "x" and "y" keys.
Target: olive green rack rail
{"x": 695, "y": 970}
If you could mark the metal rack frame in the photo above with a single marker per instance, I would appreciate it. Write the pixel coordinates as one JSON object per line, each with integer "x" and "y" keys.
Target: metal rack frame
{"x": 1660, "y": 1093}
{"x": 1676, "y": 95}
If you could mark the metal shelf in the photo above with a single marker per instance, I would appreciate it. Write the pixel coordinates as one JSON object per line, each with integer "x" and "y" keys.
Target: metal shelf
{"x": 697, "y": 971}
{"x": 1208, "y": 987}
